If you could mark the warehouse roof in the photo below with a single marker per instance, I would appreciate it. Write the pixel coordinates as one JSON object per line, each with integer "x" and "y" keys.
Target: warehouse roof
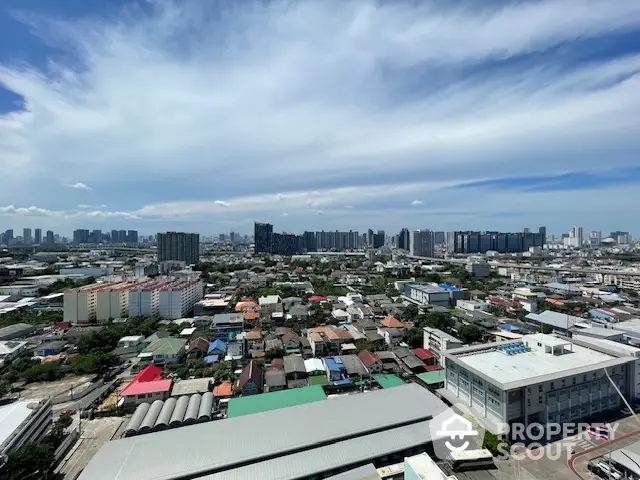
{"x": 362, "y": 427}
{"x": 274, "y": 400}
{"x": 388, "y": 381}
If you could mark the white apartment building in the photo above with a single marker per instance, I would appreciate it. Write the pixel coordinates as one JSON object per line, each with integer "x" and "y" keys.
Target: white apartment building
{"x": 81, "y": 304}
{"x": 145, "y": 300}
{"x": 438, "y": 342}
{"x": 113, "y": 301}
{"x": 538, "y": 379}
{"x": 178, "y": 299}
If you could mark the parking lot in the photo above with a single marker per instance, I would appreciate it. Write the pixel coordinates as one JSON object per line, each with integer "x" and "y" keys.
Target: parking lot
{"x": 95, "y": 433}
{"x": 64, "y": 386}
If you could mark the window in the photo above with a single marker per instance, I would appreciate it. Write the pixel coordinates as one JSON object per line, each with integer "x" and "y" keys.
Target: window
{"x": 551, "y": 386}
{"x": 539, "y": 388}
{"x": 573, "y": 381}
{"x": 539, "y": 400}
{"x": 584, "y": 378}
{"x": 528, "y": 402}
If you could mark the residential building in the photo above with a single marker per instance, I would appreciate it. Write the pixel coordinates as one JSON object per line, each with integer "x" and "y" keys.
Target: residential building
{"x": 223, "y": 324}
{"x": 478, "y": 268}
{"x": 251, "y": 379}
{"x": 269, "y": 300}
{"x": 438, "y": 342}
{"x": 422, "y": 243}
{"x": 262, "y": 237}
{"x": 26, "y": 236}
{"x": 178, "y": 299}
{"x": 81, "y": 304}
{"x": 22, "y": 422}
{"x": 164, "y": 351}
{"x": 482, "y": 242}
{"x": 130, "y": 341}
{"x": 427, "y": 294}
{"x": 294, "y": 368}
{"x": 179, "y": 246}
{"x": 575, "y": 238}
{"x": 37, "y": 238}
{"x": 539, "y": 379}
{"x": 146, "y": 387}
{"x": 404, "y": 240}
{"x": 113, "y": 301}
{"x": 275, "y": 379}
{"x": 371, "y": 361}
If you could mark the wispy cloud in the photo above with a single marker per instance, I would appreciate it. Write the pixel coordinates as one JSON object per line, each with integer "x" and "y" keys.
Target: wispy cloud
{"x": 361, "y": 99}
{"x": 417, "y": 202}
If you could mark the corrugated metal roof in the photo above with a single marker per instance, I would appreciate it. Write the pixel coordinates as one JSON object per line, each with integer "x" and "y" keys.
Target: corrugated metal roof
{"x": 187, "y": 451}
{"x": 274, "y": 400}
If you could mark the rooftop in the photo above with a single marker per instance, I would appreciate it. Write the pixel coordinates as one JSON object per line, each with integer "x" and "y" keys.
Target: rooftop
{"x": 12, "y": 415}
{"x": 362, "y": 428}
{"x": 533, "y": 366}
{"x": 274, "y": 400}
{"x": 388, "y": 381}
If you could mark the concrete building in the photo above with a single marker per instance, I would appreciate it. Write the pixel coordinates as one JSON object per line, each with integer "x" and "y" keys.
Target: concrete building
{"x": 81, "y": 304}
{"x": 421, "y": 243}
{"x": 22, "y": 422}
{"x": 478, "y": 268}
{"x": 438, "y": 342}
{"x": 179, "y": 299}
{"x": 222, "y": 324}
{"x": 538, "y": 379}
{"x": 179, "y": 246}
{"x": 113, "y": 301}
{"x": 10, "y": 350}
{"x": 427, "y": 294}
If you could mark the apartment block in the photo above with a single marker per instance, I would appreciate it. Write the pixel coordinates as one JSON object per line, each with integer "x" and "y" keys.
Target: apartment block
{"x": 178, "y": 299}
{"x": 113, "y": 302}
{"x": 539, "y": 379}
{"x": 81, "y": 304}
{"x": 438, "y": 342}
{"x": 145, "y": 300}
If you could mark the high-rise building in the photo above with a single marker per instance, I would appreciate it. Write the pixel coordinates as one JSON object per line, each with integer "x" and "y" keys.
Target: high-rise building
{"x": 115, "y": 236}
{"x": 404, "y": 239}
{"x": 132, "y": 236}
{"x": 180, "y": 246}
{"x": 623, "y": 238}
{"x": 422, "y": 243}
{"x": 262, "y": 237}
{"x": 7, "y": 237}
{"x": 370, "y": 238}
{"x": 286, "y": 244}
{"x": 26, "y": 236}
{"x": 543, "y": 232}
{"x": 50, "y": 239}
{"x": 439, "y": 238}
{"x": 575, "y": 238}
{"x": 81, "y": 236}
{"x": 378, "y": 239}
{"x": 482, "y": 242}
{"x": 95, "y": 236}
{"x": 595, "y": 237}
{"x": 37, "y": 236}
{"x": 526, "y": 230}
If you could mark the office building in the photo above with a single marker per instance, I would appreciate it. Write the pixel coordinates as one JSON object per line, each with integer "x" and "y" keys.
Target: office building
{"x": 262, "y": 237}
{"x": 438, "y": 342}
{"x": 184, "y": 247}
{"x": 369, "y": 238}
{"x": 7, "y": 237}
{"x": 595, "y": 238}
{"x": 95, "y": 236}
{"x": 538, "y": 379}
{"x": 622, "y": 238}
{"x": 22, "y": 422}
{"x": 49, "y": 237}
{"x": 37, "y": 236}
{"x": 422, "y": 243}
{"x": 427, "y": 294}
{"x": 543, "y": 233}
{"x": 483, "y": 242}
{"x": 26, "y": 236}
{"x": 132, "y": 236}
{"x": 575, "y": 238}
{"x": 379, "y": 239}
{"x": 439, "y": 238}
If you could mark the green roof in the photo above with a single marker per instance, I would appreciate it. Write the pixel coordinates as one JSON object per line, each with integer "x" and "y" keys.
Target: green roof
{"x": 430, "y": 378}
{"x": 388, "y": 381}
{"x": 166, "y": 346}
{"x": 318, "y": 380}
{"x": 274, "y": 400}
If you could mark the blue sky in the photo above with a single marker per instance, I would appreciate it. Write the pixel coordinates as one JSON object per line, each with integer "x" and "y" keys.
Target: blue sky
{"x": 322, "y": 114}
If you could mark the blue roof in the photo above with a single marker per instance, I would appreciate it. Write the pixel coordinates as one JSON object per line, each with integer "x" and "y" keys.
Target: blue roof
{"x": 510, "y": 328}
{"x": 332, "y": 364}
{"x": 451, "y": 288}
{"x": 211, "y": 358}
{"x": 218, "y": 345}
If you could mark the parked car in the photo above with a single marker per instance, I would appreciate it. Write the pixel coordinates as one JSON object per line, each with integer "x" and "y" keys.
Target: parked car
{"x": 68, "y": 412}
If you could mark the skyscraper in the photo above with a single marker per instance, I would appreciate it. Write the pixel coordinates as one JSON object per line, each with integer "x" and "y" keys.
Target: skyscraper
{"x": 378, "y": 239}
{"x": 50, "y": 239}
{"x": 26, "y": 236}
{"x": 543, "y": 232}
{"x": 421, "y": 243}
{"x": 37, "y": 236}
{"x": 403, "y": 239}
{"x": 576, "y": 237}
{"x": 180, "y": 246}
{"x": 262, "y": 237}
{"x": 132, "y": 236}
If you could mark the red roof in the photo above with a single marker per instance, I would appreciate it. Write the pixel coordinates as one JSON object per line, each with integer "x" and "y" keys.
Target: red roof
{"x": 433, "y": 368}
{"x": 368, "y": 358}
{"x": 225, "y": 389}
{"x": 149, "y": 380}
{"x": 423, "y": 353}
{"x": 317, "y": 298}
{"x": 392, "y": 322}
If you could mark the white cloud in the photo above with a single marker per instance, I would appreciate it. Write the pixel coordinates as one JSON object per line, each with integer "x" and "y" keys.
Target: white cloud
{"x": 79, "y": 186}
{"x": 309, "y": 95}
{"x": 285, "y": 214}
{"x": 417, "y": 202}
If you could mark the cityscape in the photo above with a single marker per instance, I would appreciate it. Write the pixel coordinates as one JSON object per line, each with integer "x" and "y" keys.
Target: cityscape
{"x": 338, "y": 240}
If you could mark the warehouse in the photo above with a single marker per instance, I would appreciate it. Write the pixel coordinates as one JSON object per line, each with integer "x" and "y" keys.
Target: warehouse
{"x": 318, "y": 438}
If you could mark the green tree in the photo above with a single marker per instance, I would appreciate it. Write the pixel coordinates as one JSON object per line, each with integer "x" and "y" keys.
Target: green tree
{"x": 491, "y": 442}
{"x": 28, "y": 461}
{"x": 469, "y": 333}
{"x": 547, "y": 329}
{"x": 415, "y": 337}
{"x": 275, "y": 353}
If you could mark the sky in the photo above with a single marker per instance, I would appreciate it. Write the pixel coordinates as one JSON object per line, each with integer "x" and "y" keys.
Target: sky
{"x": 207, "y": 116}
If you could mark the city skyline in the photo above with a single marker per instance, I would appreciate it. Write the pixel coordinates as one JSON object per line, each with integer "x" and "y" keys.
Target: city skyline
{"x": 525, "y": 118}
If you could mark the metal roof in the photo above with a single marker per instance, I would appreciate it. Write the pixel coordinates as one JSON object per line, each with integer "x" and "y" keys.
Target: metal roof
{"x": 400, "y": 416}
{"x": 273, "y": 400}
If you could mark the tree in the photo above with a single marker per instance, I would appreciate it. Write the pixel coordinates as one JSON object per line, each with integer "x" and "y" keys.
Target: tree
{"x": 275, "y": 353}
{"x": 29, "y": 460}
{"x": 469, "y": 333}
{"x": 546, "y": 329}
{"x": 364, "y": 345}
{"x": 491, "y": 442}
{"x": 415, "y": 337}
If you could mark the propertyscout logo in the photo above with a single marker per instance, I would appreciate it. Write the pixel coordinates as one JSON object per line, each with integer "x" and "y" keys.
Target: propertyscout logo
{"x": 452, "y": 433}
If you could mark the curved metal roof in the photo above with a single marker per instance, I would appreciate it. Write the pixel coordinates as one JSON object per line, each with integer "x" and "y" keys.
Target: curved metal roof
{"x": 136, "y": 419}
{"x": 178, "y": 412}
{"x": 164, "y": 417}
{"x": 151, "y": 416}
{"x": 192, "y": 409}
{"x": 206, "y": 407}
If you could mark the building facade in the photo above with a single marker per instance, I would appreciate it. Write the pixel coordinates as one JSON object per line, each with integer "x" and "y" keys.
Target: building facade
{"x": 422, "y": 243}
{"x": 179, "y": 246}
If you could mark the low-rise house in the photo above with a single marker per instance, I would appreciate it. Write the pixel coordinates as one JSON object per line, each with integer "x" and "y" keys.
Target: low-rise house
{"x": 273, "y": 344}
{"x": 197, "y": 348}
{"x": 314, "y": 367}
{"x": 152, "y": 338}
{"x": 299, "y": 312}
{"x": 337, "y": 337}
{"x": 269, "y": 300}
{"x": 291, "y": 341}
{"x": 341, "y": 315}
{"x": 217, "y": 347}
{"x": 371, "y": 362}
{"x": 164, "y": 351}
{"x": 146, "y": 386}
{"x": 319, "y": 343}
{"x": 354, "y": 367}
{"x": 51, "y": 348}
{"x": 222, "y": 391}
{"x": 235, "y": 350}
{"x": 291, "y": 301}
{"x": 294, "y": 367}
{"x": 254, "y": 340}
{"x": 354, "y": 313}
{"x": 389, "y": 361}
{"x": 392, "y": 322}
{"x": 392, "y": 336}
{"x": 281, "y": 331}
{"x": 130, "y": 341}
{"x": 275, "y": 379}
{"x": 251, "y": 379}
{"x": 305, "y": 346}
{"x": 222, "y": 324}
